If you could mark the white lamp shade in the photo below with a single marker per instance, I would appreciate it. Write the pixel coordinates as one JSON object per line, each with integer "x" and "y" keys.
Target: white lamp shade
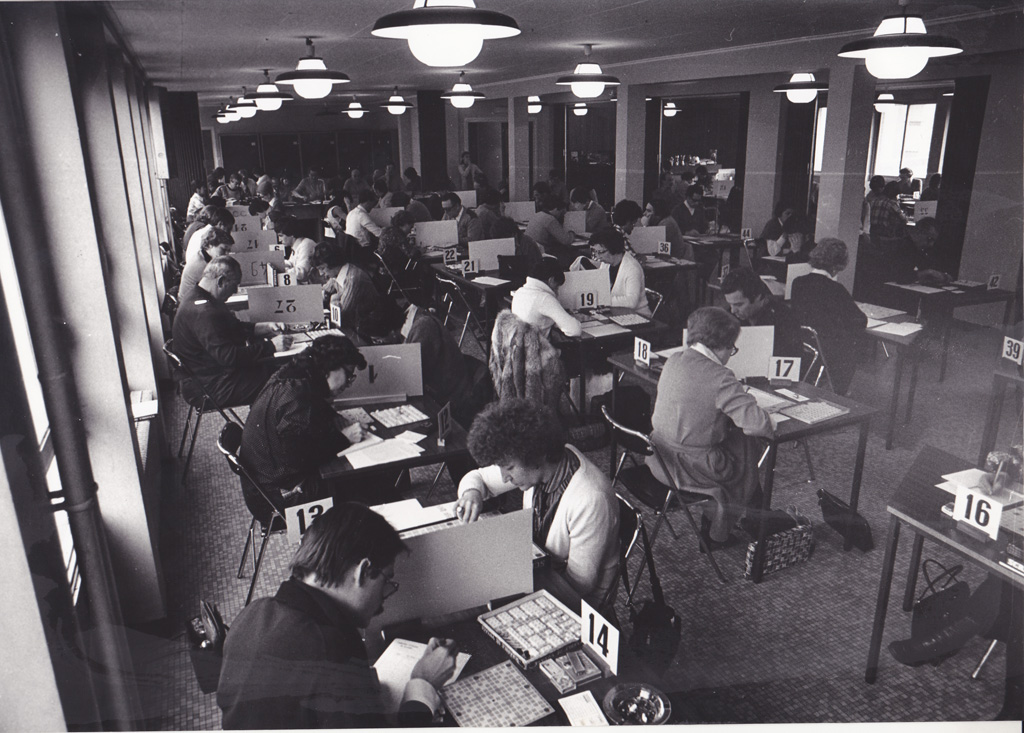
{"x": 580, "y": 109}
{"x": 670, "y": 109}
{"x": 399, "y": 108}
{"x": 587, "y": 89}
{"x": 445, "y": 45}
{"x": 312, "y": 88}
{"x": 801, "y": 96}
{"x": 245, "y": 109}
{"x": 533, "y": 105}
{"x": 896, "y": 63}
{"x": 462, "y": 95}
{"x": 884, "y": 102}
{"x": 900, "y": 48}
{"x": 268, "y": 105}
{"x": 355, "y": 110}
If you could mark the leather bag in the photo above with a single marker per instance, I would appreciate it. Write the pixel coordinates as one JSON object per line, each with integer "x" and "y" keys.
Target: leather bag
{"x": 839, "y": 516}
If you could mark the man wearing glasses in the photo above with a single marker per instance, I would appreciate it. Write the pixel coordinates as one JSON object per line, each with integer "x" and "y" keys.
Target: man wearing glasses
{"x": 707, "y": 427}
{"x": 297, "y": 659}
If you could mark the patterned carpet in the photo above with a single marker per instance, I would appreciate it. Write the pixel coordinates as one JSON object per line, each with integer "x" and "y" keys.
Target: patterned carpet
{"x": 790, "y": 650}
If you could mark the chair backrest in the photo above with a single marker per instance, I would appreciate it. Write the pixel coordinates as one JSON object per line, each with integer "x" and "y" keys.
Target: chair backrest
{"x": 812, "y": 358}
{"x": 630, "y": 521}
{"x": 654, "y": 299}
{"x": 810, "y": 336}
{"x": 450, "y": 289}
{"x": 630, "y": 438}
{"x": 183, "y": 372}
{"x": 393, "y": 284}
{"x": 229, "y": 442}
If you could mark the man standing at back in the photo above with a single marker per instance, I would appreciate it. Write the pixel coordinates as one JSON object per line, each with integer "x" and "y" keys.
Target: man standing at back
{"x": 753, "y": 304}
{"x": 222, "y": 352}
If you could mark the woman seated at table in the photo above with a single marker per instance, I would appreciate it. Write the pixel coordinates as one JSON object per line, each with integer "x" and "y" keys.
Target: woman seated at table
{"x": 302, "y": 261}
{"x": 397, "y": 247}
{"x": 658, "y": 214}
{"x": 821, "y": 302}
{"x": 365, "y": 310}
{"x": 215, "y": 244}
{"x": 707, "y": 427}
{"x": 608, "y": 247}
{"x": 575, "y": 512}
{"x": 537, "y": 303}
{"x": 292, "y": 428}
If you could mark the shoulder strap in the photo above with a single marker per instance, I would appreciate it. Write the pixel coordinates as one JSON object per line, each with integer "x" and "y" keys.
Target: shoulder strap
{"x": 659, "y": 596}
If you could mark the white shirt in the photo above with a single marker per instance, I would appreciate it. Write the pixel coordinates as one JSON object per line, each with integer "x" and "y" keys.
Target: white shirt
{"x": 358, "y": 224}
{"x": 536, "y": 304}
{"x": 628, "y": 289}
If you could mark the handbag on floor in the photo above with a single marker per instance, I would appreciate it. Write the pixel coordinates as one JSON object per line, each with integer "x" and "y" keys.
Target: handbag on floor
{"x": 943, "y": 600}
{"x": 791, "y": 543}
{"x": 839, "y": 516}
{"x": 206, "y": 633}
{"x": 657, "y": 628}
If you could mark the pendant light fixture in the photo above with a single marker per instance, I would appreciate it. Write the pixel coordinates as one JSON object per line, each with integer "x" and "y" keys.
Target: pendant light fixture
{"x": 245, "y": 109}
{"x": 227, "y": 113}
{"x": 396, "y": 103}
{"x": 267, "y": 96}
{"x": 900, "y": 47}
{"x": 445, "y": 32}
{"x": 580, "y": 109}
{"x": 533, "y": 105}
{"x": 462, "y": 95}
{"x": 587, "y": 81}
{"x": 311, "y": 78}
{"x": 355, "y": 110}
{"x": 670, "y": 109}
{"x": 885, "y": 102}
{"x": 801, "y": 88}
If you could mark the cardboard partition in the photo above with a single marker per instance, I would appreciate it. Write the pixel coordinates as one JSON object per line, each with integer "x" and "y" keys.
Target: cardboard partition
{"x": 382, "y": 216}
{"x": 576, "y": 221}
{"x": 436, "y": 233}
{"x": 254, "y": 264}
{"x": 487, "y": 251}
{"x": 286, "y": 304}
{"x": 586, "y": 289}
{"x": 755, "y": 343}
{"x": 468, "y": 198}
{"x": 792, "y": 273}
{"x": 644, "y": 240}
{"x": 393, "y": 372}
{"x": 250, "y": 241}
{"x": 520, "y": 211}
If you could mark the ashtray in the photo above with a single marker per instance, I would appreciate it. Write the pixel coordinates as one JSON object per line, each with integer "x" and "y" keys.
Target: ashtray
{"x": 635, "y": 703}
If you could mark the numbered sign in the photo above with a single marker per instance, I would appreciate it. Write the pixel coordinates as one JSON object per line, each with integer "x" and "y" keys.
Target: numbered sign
{"x": 588, "y": 300}
{"x": 250, "y": 241}
{"x": 977, "y": 510}
{"x": 298, "y": 518}
{"x": 746, "y": 232}
{"x": 247, "y": 224}
{"x": 294, "y": 304}
{"x": 254, "y": 265}
{"x": 444, "y": 423}
{"x": 451, "y": 256}
{"x": 993, "y": 281}
{"x": 784, "y": 367}
{"x": 335, "y": 315}
{"x": 471, "y": 267}
{"x": 665, "y": 248}
{"x": 280, "y": 279}
{"x": 1013, "y": 350}
{"x": 642, "y": 351}
{"x": 725, "y": 270}
{"x": 599, "y": 636}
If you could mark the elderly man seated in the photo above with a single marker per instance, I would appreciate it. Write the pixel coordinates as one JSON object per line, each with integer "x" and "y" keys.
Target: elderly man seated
{"x": 575, "y": 512}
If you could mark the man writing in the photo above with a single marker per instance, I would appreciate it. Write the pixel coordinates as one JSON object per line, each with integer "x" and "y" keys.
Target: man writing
{"x": 753, "y": 304}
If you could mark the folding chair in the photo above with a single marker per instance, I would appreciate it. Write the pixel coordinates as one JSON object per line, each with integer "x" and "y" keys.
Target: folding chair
{"x": 205, "y": 404}
{"x": 394, "y": 284}
{"x": 811, "y": 342}
{"x": 654, "y": 300}
{"x": 642, "y": 484}
{"x": 229, "y": 443}
{"x": 453, "y": 299}
{"x": 630, "y": 521}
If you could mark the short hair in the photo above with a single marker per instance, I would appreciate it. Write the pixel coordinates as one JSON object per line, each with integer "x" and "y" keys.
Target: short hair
{"x": 546, "y": 268}
{"x": 203, "y": 217}
{"x": 287, "y": 226}
{"x": 400, "y": 198}
{"x": 935, "y": 181}
{"x": 927, "y": 222}
{"x": 340, "y": 538}
{"x": 366, "y": 195}
{"x": 452, "y": 198}
{"x": 714, "y": 327}
{"x": 694, "y": 188}
{"x": 258, "y": 206}
{"x": 781, "y": 207}
{"x": 222, "y": 266}
{"x": 579, "y": 195}
{"x": 891, "y": 189}
{"x": 876, "y": 183}
{"x": 402, "y": 219}
{"x": 746, "y": 281}
{"x": 196, "y": 183}
{"x": 330, "y": 353}
{"x": 540, "y": 187}
{"x": 504, "y": 227}
{"x": 610, "y": 238}
{"x": 908, "y": 171}
{"x": 625, "y": 212}
{"x": 830, "y": 255}
{"x": 380, "y": 187}
{"x": 329, "y": 254}
{"x": 217, "y": 173}
{"x": 219, "y": 236}
{"x": 687, "y": 176}
{"x": 661, "y": 207}
{"x": 235, "y": 177}
{"x": 549, "y": 202}
{"x": 518, "y": 430}
{"x": 223, "y": 217}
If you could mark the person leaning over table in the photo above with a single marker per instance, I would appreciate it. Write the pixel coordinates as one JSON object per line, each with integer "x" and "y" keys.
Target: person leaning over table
{"x": 365, "y": 310}
{"x": 579, "y": 200}
{"x": 297, "y": 659}
{"x": 522, "y": 445}
{"x": 358, "y": 223}
{"x": 488, "y": 210}
{"x": 775, "y": 234}
{"x": 469, "y": 227}
{"x": 416, "y": 209}
{"x": 536, "y": 303}
{"x": 750, "y": 301}
{"x": 656, "y": 214}
{"x": 506, "y": 228}
{"x": 302, "y": 260}
{"x": 689, "y": 215}
{"x": 216, "y": 244}
{"x": 546, "y": 229}
{"x": 215, "y": 217}
{"x": 225, "y": 354}
{"x": 311, "y": 188}
{"x": 707, "y": 427}
{"x": 821, "y": 302}
{"x": 608, "y": 247}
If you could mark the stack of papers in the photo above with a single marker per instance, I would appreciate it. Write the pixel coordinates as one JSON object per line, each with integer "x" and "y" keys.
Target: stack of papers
{"x": 878, "y": 311}
{"x": 394, "y": 668}
{"x": 898, "y": 329}
{"x": 409, "y": 513}
{"x": 488, "y": 280}
{"x": 385, "y": 451}
{"x": 606, "y": 329}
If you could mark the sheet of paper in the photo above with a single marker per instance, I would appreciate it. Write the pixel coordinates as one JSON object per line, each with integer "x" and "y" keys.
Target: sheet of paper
{"x": 297, "y": 349}
{"x": 774, "y": 258}
{"x": 368, "y": 440}
{"x": 606, "y": 329}
{"x": 394, "y": 667}
{"x": 582, "y": 709}
{"x": 899, "y": 329}
{"x": 792, "y": 395}
{"x": 917, "y": 288}
{"x": 410, "y": 436}
{"x": 874, "y": 322}
{"x": 947, "y": 486}
{"x": 387, "y": 451}
{"x": 145, "y": 410}
{"x": 397, "y": 512}
{"x": 878, "y": 311}
{"x": 653, "y": 263}
{"x": 488, "y": 280}
{"x": 668, "y": 352}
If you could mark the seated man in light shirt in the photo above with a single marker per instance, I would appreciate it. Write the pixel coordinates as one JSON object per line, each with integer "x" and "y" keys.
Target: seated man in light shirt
{"x": 575, "y": 513}
{"x": 358, "y": 223}
{"x": 537, "y": 303}
{"x": 545, "y": 228}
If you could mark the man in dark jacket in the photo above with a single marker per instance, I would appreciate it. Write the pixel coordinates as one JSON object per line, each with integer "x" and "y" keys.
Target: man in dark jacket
{"x": 750, "y": 301}
{"x": 222, "y": 352}
{"x": 297, "y": 660}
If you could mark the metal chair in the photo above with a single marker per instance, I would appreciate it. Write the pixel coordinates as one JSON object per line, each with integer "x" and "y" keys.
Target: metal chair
{"x": 229, "y": 443}
{"x": 630, "y": 521}
{"x": 811, "y": 342}
{"x": 205, "y": 404}
{"x": 394, "y": 284}
{"x": 654, "y": 300}
{"x": 642, "y": 484}
{"x": 454, "y": 300}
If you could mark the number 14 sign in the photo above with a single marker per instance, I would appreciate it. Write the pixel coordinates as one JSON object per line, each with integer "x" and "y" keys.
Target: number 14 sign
{"x": 599, "y": 636}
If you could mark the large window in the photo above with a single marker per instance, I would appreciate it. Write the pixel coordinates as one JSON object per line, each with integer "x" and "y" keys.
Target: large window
{"x": 904, "y": 138}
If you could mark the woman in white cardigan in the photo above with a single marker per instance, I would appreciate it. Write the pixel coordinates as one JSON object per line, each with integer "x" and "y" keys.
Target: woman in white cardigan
{"x": 575, "y": 512}
{"x": 608, "y": 247}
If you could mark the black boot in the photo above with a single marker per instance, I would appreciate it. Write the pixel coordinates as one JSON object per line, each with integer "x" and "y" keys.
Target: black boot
{"x": 942, "y": 643}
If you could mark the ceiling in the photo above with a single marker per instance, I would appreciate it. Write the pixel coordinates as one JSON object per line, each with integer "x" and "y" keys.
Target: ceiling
{"x": 214, "y": 47}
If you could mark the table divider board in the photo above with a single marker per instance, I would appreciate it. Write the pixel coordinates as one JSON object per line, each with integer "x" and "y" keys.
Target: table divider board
{"x": 247, "y": 224}
{"x": 792, "y": 273}
{"x": 520, "y": 210}
{"x": 459, "y": 566}
{"x": 925, "y": 209}
{"x": 644, "y": 240}
{"x": 248, "y": 241}
{"x": 468, "y": 198}
{"x": 285, "y": 304}
{"x": 754, "y": 357}
{"x": 393, "y": 373}
{"x": 254, "y": 264}
{"x": 436, "y": 233}
{"x": 487, "y": 251}
{"x": 575, "y": 221}
{"x": 382, "y": 215}
{"x": 238, "y": 210}
{"x": 586, "y": 289}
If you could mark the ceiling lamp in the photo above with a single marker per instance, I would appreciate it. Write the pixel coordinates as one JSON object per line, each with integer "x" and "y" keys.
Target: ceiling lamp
{"x": 462, "y": 94}
{"x": 885, "y": 102}
{"x": 267, "y": 96}
{"x": 670, "y": 109}
{"x": 396, "y": 103}
{"x": 245, "y": 109}
{"x": 227, "y": 113}
{"x": 311, "y": 79}
{"x": 223, "y": 117}
{"x": 801, "y": 88}
{"x": 900, "y": 47}
{"x": 580, "y": 109}
{"x": 445, "y": 32}
{"x": 533, "y": 104}
{"x": 355, "y": 110}
{"x": 587, "y": 81}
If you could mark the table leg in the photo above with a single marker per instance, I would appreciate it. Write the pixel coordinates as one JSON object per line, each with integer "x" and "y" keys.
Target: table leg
{"x": 915, "y": 362}
{"x": 915, "y": 565}
{"x": 766, "y": 505}
{"x": 894, "y": 400}
{"x": 995, "y": 409}
{"x": 882, "y": 604}
{"x": 858, "y": 472}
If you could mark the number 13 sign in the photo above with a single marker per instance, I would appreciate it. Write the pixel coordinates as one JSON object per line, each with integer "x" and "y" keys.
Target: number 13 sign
{"x": 298, "y": 518}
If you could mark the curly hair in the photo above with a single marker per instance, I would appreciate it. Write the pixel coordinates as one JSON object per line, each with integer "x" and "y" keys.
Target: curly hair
{"x": 626, "y": 212}
{"x": 516, "y": 430}
{"x": 611, "y": 239}
{"x": 713, "y": 327}
{"x": 829, "y": 255}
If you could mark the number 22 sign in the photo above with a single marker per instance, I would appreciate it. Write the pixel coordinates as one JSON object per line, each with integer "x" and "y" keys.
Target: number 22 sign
{"x": 298, "y": 518}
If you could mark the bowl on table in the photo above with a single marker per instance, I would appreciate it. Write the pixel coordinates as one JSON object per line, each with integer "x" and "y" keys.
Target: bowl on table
{"x": 636, "y": 703}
